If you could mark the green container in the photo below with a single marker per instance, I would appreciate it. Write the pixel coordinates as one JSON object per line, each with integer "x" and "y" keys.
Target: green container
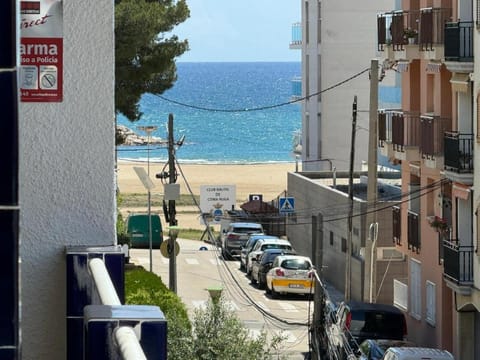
{"x": 137, "y": 231}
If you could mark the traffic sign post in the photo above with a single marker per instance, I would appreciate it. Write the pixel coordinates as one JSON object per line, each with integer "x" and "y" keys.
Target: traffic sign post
{"x": 286, "y": 205}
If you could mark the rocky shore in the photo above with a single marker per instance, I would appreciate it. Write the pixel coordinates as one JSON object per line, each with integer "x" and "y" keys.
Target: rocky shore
{"x": 132, "y": 138}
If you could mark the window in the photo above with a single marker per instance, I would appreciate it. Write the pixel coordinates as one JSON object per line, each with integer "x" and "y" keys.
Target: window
{"x": 430, "y": 313}
{"x": 400, "y": 294}
{"x": 344, "y": 245}
{"x": 415, "y": 289}
{"x": 331, "y": 238}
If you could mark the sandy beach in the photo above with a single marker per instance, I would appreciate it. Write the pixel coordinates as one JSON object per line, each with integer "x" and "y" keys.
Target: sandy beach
{"x": 270, "y": 180}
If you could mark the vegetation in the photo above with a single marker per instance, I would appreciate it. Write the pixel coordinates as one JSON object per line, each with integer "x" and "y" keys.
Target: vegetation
{"x": 216, "y": 332}
{"x": 144, "y": 54}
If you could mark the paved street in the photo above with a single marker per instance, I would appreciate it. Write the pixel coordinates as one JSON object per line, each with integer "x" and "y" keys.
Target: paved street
{"x": 199, "y": 269}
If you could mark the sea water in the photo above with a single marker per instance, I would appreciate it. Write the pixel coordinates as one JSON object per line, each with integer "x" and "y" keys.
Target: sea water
{"x": 215, "y": 107}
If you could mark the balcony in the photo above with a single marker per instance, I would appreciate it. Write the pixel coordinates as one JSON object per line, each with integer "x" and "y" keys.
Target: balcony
{"x": 394, "y": 29}
{"x": 397, "y": 225}
{"x": 296, "y": 83}
{"x": 432, "y": 139}
{"x": 459, "y": 41}
{"x": 406, "y": 135}
{"x": 458, "y": 266}
{"x": 458, "y": 157}
{"x": 413, "y": 232}
{"x": 296, "y": 42}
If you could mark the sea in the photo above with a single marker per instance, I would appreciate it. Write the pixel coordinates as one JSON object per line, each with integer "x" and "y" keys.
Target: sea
{"x": 225, "y": 113}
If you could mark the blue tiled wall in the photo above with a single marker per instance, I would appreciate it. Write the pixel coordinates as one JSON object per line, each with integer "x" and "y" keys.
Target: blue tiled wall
{"x": 9, "y": 212}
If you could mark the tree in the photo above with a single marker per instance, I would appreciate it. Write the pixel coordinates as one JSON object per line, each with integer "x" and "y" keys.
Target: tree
{"x": 144, "y": 54}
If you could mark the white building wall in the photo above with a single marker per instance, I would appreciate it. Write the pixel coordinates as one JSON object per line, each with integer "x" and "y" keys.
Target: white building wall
{"x": 67, "y": 183}
{"x": 345, "y": 45}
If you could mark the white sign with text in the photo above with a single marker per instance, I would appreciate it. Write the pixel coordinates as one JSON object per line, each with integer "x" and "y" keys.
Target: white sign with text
{"x": 215, "y": 199}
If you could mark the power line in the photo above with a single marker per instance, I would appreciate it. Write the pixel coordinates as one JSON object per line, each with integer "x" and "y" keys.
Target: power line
{"x": 261, "y": 108}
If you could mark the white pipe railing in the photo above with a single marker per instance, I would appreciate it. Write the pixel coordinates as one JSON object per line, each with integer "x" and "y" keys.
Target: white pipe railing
{"x": 125, "y": 336}
{"x": 128, "y": 344}
{"x": 106, "y": 290}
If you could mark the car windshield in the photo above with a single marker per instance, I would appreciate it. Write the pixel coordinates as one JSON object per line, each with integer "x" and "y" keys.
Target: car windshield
{"x": 276, "y": 246}
{"x": 385, "y": 323}
{"x": 296, "y": 264}
{"x": 246, "y": 230}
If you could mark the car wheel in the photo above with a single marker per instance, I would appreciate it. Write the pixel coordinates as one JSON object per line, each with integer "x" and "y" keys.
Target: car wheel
{"x": 225, "y": 254}
{"x": 252, "y": 280}
{"x": 275, "y": 294}
{"x": 261, "y": 284}
{"x": 267, "y": 290}
{"x": 242, "y": 267}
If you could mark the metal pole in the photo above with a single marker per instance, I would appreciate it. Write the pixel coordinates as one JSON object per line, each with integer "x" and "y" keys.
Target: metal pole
{"x": 171, "y": 208}
{"x": 371, "y": 218}
{"x": 348, "y": 257}
{"x": 149, "y": 204}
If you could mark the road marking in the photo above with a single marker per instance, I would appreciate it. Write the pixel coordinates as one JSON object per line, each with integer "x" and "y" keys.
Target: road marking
{"x": 216, "y": 262}
{"x": 191, "y": 261}
{"x": 263, "y": 306}
{"x": 287, "y": 307}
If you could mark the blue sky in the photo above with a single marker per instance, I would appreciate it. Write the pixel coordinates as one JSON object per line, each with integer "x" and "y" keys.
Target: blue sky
{"x": 247, "y": 30}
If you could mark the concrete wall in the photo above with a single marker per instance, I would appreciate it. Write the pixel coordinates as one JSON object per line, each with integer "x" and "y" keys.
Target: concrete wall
{"x": 314, "y": 198}
{"x": 67, "y": 183}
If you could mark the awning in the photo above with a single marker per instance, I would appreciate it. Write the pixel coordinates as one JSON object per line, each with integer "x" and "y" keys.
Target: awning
{"x": 460, "y": 82}
{"x": 461, "y": 191}
{"x": 433, "y": 67}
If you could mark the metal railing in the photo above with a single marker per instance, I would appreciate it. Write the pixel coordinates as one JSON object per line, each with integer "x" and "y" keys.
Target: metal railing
{"x": 413, "y": 232}
{"x": 458, "y": 152}
{"x": 98, "y": 325}
{"x": 397, "y": 225}
{"x": 459, "y": 41}
{"x": 458, "y": 262}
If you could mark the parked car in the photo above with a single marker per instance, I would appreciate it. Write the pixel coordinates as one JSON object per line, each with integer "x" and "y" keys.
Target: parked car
{"x": 261, "y": 246}
{"x": 261, "y": 267}
{"x": 416, "y": 353}
{"x": 252, "y": 240}
{"x": 235, "y": 237}
{"x": 375, "y": 349}
{"x": 290, "y": 274}
{"x": 357, "y": 321}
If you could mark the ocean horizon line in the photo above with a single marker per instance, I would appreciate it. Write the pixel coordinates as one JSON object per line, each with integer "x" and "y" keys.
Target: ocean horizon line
{"x": 206, "y": 162}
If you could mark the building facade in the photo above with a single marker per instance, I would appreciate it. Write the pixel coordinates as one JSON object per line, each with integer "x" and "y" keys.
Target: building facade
{"x": 65, "y": 164}
{"x": 431, "y": 43}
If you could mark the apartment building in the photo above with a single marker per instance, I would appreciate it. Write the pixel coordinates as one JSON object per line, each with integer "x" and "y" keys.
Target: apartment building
{"x": 337, "y": 42}
{"x": 431, "y": 43}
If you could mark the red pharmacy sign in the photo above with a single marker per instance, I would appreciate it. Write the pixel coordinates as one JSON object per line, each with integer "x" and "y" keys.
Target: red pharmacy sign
{"x": 41, "y": 51}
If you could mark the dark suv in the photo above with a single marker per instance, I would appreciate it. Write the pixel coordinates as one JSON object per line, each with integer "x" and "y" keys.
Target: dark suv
{"x": 235, "y": 237}
{"x": 356, "y": 321}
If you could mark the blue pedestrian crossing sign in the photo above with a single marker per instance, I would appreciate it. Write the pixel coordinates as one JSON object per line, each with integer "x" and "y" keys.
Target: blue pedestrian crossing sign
{"x": 286, "y": 205}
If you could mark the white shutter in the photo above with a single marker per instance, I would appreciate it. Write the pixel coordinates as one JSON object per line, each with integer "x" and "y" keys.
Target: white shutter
{"x": 430, "y": 313}
{"x": 400, "y": 294}
{"x": 415, "y": 289}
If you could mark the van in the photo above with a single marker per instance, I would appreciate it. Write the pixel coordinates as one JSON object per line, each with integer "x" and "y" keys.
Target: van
{"x": 138, "y": 231}
{"x": 416, "y": 353}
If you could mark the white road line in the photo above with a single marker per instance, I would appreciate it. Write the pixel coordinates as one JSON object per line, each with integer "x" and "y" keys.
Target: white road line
{"x": 191, "y": 261}
{"x": 263, "y": 306}
{"x": 216, "y": 262}
{"x": 287, "y": 307}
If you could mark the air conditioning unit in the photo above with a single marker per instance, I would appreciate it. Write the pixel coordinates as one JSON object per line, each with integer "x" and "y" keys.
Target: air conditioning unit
{"x": 389, "y": 254}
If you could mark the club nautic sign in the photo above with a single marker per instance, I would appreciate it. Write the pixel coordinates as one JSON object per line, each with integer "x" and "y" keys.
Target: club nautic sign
{"x": 41, "y": 51}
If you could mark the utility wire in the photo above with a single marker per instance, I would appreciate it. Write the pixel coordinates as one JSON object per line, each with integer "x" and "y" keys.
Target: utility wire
{"x": 261, "y": 108}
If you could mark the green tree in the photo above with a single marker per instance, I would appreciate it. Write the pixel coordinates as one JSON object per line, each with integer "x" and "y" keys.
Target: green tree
{"x": 144, "y": 53}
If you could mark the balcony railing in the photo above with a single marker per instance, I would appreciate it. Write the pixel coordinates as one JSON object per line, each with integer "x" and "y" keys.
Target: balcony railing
{"x": 405, "y": 130}
{"x": 413, "y": 232}
{"x": 397, "y": 225}
{"x": 458, "y": 152}
{"x": 428, "y": 23}
{"x": 296, "y": 35}
{"x": 98, "y": 325}
{"x": 432, "y": 130}
{"x": 457, "y": 262}
{"x": 296, "y": 83}
{"x": 459, "y": 41}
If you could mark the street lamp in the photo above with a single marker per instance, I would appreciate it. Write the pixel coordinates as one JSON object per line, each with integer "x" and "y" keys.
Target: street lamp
{"x": 149, "y": 129}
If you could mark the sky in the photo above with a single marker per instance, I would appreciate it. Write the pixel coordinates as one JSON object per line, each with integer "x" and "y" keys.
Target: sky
{"x": 247, "y": 30}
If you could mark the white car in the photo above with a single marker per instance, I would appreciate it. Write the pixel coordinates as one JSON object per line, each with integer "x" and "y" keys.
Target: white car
{"x": 263, "y": 244}
{"x": 292, "y": 274}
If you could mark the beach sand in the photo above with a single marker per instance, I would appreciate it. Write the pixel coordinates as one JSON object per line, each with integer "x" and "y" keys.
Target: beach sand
{"x": 269, "y": 180}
